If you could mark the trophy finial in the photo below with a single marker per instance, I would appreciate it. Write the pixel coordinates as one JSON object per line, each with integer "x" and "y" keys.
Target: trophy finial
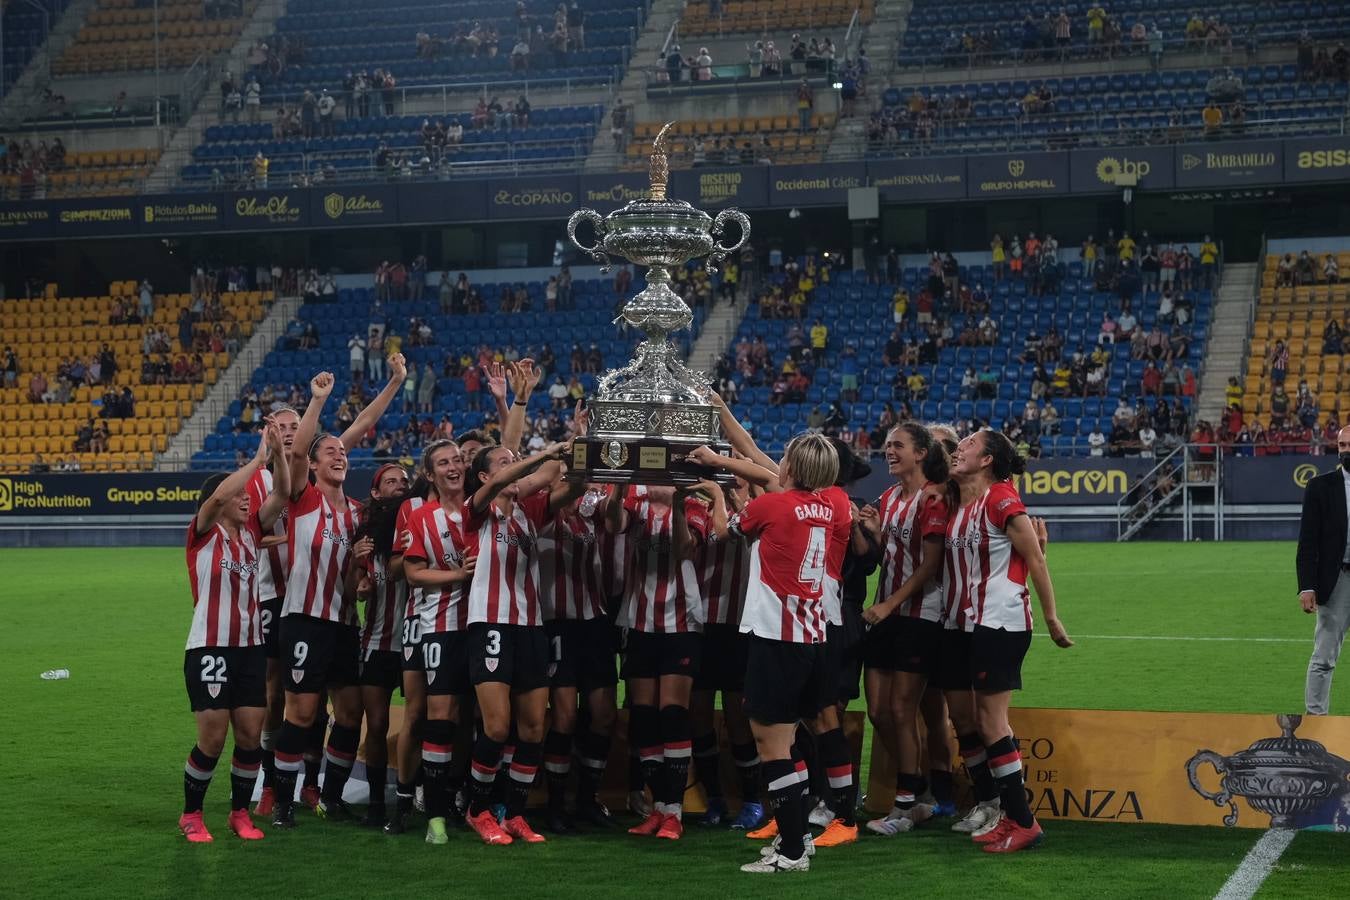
{"x": 658, "y": 167}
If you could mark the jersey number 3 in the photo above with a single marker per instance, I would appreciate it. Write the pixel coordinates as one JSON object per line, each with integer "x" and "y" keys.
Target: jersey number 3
{"x": 813, "y": 563}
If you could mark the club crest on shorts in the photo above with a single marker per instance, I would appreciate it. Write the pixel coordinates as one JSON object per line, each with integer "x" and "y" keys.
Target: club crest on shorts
{"x": 431, "y": 675}
{"x": 407, "y": 652}
{"x": 214, "y": 690}
{"x": 552, "y": 669}
{"x": 297, "y": 675}
{"x": 490, "y": 663}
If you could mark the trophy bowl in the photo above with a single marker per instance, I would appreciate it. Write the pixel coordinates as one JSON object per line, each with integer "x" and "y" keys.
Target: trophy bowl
{"x": 648, "y": 415}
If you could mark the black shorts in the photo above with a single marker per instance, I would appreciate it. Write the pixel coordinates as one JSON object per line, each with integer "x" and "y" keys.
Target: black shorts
{"x": 318, "y": 654}
{"x": 444, "y": 657}
{"x": 651, "y": 654}
{"x": 581, "y": 654}
{"x": 878, "y": 644}
{"x": 225, "y": 677}
{"x": 786, "y": 682}
{"x": 723, "y": 659}
{"x": 412, "y": 644}
{"x": 269, "y": 615}
{"x": 996, "y": 659}
{"x": 382, "y": 669}
{"x": 516, "y": 655}
{"x": 953, "y": 669}
{"x": 918, "y": 647}
{"x": 845, "y": 643}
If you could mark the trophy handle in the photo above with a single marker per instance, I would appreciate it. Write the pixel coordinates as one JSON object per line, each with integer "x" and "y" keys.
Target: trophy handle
{"x": 721, "y": 252}
{"x": 1220, "y": 765}
{"x": 596, "y": 251}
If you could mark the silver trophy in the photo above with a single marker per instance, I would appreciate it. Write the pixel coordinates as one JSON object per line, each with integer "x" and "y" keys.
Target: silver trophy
{"x": 648, "y": 415}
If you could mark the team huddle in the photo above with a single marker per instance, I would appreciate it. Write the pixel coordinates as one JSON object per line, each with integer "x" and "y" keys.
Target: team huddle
{"x": 505, "y": 601}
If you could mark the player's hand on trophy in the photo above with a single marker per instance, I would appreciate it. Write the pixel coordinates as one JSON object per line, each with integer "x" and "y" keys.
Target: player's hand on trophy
{"x": 715, "y": 399}
{"x": 321, "y": 385}
{"x": 706, "y": 456}
{"x": 398, "y": 368}
{"x": 581, "y": 419}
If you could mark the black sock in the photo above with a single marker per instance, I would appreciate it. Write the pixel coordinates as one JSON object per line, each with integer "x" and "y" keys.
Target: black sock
{"x": 269, "y": 769}
{"x": 557, "y": 766}
{"x": 197, "y": 774}
{"x": 289, "y": 761}
{"x": 375, "y": 780}
{"x": 1005, "y": 764}
{"x": 341, "y": 755}
{"x": 524, "y": 768}
{"x": 637, "y": 779}
{"x": 940, "y": 780}
{"x": 404, "y": 793}
{"x": 644, "y": 733}
{"x": 437, "y": 753}
{"x": 676, "y": 753}
{"x": 804, "y": 750}
{"x": 977, "y": 767}
{"x": 837, "y": 761}
{"x": 487, "y": 755}
{"x": 706, "y": 765}
{"x": 592, "y": 753}
{"x": 783, "y": 784}
{"x": 243, "y": 776}
{"x": 747, "y": 767}
{"x": 908, "y": 787}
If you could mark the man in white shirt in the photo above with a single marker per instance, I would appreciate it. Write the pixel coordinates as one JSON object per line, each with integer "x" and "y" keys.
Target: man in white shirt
{"x": 1126, "y": 324}
{"x": 1096, "y": 442}
{"x": 1147, "y": 438}
{"x": 357, "y": 346}
{"x": 326, "y": 105}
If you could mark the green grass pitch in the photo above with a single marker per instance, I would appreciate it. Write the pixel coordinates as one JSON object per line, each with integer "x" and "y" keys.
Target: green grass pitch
{"x": 92, "y": 766}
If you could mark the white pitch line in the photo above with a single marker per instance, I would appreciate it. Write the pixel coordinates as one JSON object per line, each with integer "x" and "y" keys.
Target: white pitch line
{"x": 1182, "y": 637}
{"x": 1256, "y": 865}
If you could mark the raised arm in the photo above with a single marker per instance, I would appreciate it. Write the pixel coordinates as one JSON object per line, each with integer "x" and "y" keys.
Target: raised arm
{"x": 398, "y": 371}
{"x": 516, "y": 471}
{"x": 564, "y": 492}
{"x": 522, "y": 376}
{"x": 740, "y": 439}
{"x": 1024, "y": 540}
{"x": 751, "y": 472}
{"x": 496, "y": 382}
{"x": 275, "y": 501}
{"x": 616, "y": 517}
{"x": 320, "y": 386}
{"x": 682, "y": 540}
{"x": 209, "y": 512}
{"x": 720, "y": 516}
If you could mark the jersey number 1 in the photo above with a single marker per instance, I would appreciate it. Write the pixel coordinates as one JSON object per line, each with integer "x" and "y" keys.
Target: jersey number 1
{"x": 813, "y": 563}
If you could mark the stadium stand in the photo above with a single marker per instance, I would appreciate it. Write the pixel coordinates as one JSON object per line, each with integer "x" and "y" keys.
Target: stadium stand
{"x": 745, "y": 16}
{"x": 723, "y": 141}
{"x": 1086, "y": 110}
{"x": 120, "y": 35}
{"x": 583, "y": 329}
{"x": 25, "y": 31}
{"x": 54, "y": 335}
{"x": 858, "y": 313}
{"x": 942, "y": 33}
{"x": 338, "y": 38}
{"x": 375, "y": 146}
{"x": 1298, "y": 311}
{"x": 42, "y": 170}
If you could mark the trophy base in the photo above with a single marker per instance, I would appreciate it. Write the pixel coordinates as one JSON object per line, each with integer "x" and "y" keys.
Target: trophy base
{"x": 645, "y": 460}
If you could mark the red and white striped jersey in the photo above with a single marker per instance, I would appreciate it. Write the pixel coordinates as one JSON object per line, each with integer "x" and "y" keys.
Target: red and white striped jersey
{"x": 436, "y": 537}
{"x": 572, "y": 551}
{"x": 796, "y": 533}
{"x": 906, "y": 522}
{"x": 505, "y": 587}
{"x": 272, "y": 575}
{"x": 834, "y": 559}
{"x": 402, "y": 538}
{"x": 984, "y": 578}
{"x": 320, "y": 539}
{"x": 385, "y": 608}
{"x": 724, "y": 569}
{"x": 661, "y": 591}
{"x": 224, "y": 578}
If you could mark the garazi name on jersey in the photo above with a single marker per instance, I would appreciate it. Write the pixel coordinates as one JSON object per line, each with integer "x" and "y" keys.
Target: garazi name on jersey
{"x": 806, "y": 511}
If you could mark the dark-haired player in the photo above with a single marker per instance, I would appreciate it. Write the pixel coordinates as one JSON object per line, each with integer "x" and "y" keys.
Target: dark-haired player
{"x": 910, "y": 522}
{"x": 991, "y": 548}
{"x": 225, "y": 666}
{"x": 320, "y": 640}
{"x": 386, "y": 599}
{"x": 789, "y": 677}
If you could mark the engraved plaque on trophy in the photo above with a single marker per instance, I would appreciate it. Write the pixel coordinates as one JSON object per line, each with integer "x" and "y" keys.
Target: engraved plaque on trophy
{"x": 647, "y": 416}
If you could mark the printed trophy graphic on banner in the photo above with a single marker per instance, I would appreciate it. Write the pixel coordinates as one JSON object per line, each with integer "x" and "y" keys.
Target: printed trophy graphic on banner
{"x": 647, "y": 416}
{"x": 1288, "y": 778}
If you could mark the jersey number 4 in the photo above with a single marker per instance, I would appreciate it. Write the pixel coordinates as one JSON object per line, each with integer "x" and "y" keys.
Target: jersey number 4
{"x": 813, "y": 563}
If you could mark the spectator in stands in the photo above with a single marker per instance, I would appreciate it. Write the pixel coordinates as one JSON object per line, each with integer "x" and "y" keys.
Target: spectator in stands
{"x": 1331, "y": 270}
{"x": 1278, "y": 361}
{"x": 999, "y": 256}
{"x": 1284, "y": 271}
{"x": 675, "y": 63}
{"x": 520, "y": 55}
{"x": 1224, "y": 87}
{"x": 618, "y": 125}
{"x": 1185, "y": 268}
{"x": 1305, "y": 406}
{"x": 253, "y": 99}
{"x": 969, "y": 381}
{"x": 1305, "y": 270}
{"x": 754, "y": 57}
{"x": 1096, "y": 441}
{"x": 806, "y": 101}
{"x": 702, "y": 67}
{"x": 820, "y": 338}
{"x": 1333, "y": 340}
{"x": 1209, "y": 263}
{"x": 325, "y": 106}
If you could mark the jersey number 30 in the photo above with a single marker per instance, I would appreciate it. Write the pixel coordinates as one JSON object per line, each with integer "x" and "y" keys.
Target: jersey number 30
{"x": 813, "y": 563}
